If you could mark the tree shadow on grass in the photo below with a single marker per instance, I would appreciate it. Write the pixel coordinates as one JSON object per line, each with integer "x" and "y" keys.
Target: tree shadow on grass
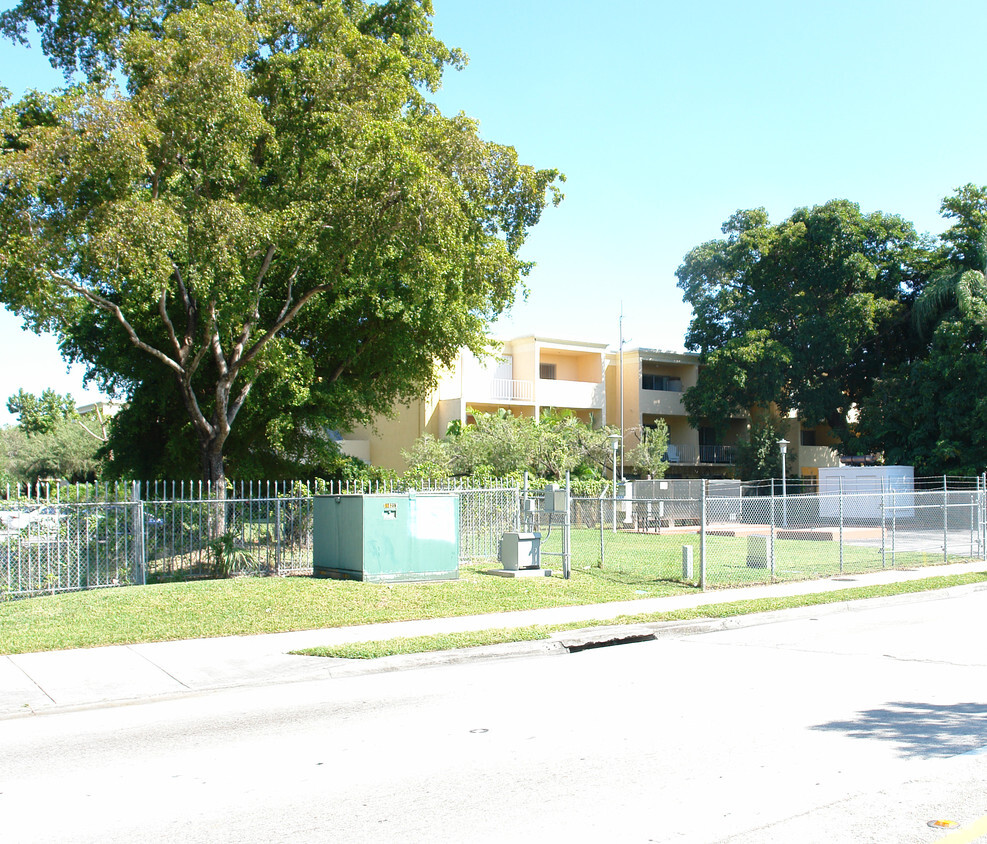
{"x": 922, "y": 730}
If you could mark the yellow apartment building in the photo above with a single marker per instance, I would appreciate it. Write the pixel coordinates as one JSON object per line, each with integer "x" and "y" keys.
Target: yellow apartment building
{"x": 526, "y": 376}
{"x": 645, "y": 385}
{"x": 629, "y": 390}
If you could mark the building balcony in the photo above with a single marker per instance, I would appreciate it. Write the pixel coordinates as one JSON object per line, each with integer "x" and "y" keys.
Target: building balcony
{"x": 574, "y": 394}
{"x": 701, "y": 455}
{"x": 506, "y": 390}
{"x": 662, "y": 403}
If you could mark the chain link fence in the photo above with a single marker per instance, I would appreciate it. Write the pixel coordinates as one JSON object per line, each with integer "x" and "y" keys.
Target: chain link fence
{"x": 709, "y": 534}
{"x": 718, "y": 539}
{"x": 68, "y": 539}
{"x": 485, "y": 515}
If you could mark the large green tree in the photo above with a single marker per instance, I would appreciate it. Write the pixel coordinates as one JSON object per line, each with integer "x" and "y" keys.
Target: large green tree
{"x": 801, "y": 315}
{"x": 930, "y": 411}
{"x": 271, "y": 215}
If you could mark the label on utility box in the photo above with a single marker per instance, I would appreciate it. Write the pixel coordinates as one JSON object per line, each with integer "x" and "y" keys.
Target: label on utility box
{"x": 390, "y": 511}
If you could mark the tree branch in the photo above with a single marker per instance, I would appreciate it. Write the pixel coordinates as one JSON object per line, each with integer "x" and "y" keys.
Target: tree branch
{"x": 287, "y": 315}
{"x": 111, "y": 307}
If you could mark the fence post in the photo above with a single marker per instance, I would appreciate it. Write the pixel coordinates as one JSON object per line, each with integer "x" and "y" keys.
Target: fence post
{"x": 841, "y": 525}
{"x": 567, "y": 530}
{"x": 771, "y": 523}
{"x": 972, "y": 519}
{"x": 277, "y": 532}
{"x": 526, "y": 523}
{"x": 982, "y": 515}
{"x": 945, "y": 520}
{"x": 702, "y": 535}
{"x": 894, "y": 523}
{"x": 140, "y": 544}
{"x": 884, "y": 492}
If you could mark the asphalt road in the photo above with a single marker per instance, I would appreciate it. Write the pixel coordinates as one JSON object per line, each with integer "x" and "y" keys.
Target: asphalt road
{"x": 851, "y": 727}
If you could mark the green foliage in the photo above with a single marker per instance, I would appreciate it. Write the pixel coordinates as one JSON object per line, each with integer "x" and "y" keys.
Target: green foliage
{"x": 802, "y": 315}
{"x": 565, "y": 444}
{"x": 650, "y": 455}
{"x": 963, "y": 242}
{"x": 932, "y": 412}
{"x": 41, "y": 414}
{"x": 66, "y": 452}
{"x": 428, "y": 460}
{"x": 929, "y": 412}
{"x": 500, "y": 445}
{"x": 759, "y": 456}
{"x": 495, "y": 444}
{"x": 228, "y": 557}
{"x": 271, "y": 232}
{"x": 589, "y": 487}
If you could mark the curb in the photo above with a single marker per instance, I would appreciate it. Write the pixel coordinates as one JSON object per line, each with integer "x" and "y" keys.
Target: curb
{"x": 585, "y": 638}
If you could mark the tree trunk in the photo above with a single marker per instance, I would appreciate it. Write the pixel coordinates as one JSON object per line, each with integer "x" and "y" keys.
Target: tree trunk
{"x": 214, "y": 473}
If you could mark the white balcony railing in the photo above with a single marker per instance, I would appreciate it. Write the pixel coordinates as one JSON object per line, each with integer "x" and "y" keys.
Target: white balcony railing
{"x": 508, "y": 389}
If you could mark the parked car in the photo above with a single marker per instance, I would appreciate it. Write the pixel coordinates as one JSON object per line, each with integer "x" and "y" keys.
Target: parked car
{"x": 47, "y": 519}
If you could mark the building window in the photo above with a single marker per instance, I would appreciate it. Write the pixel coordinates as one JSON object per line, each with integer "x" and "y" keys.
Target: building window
{"x": 668, "y": 383}
{"x": 809, "y": 437}
{"x": 546, "y": 371}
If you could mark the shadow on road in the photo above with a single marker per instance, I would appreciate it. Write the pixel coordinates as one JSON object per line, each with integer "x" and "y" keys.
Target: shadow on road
{"x": 925, "y": 730}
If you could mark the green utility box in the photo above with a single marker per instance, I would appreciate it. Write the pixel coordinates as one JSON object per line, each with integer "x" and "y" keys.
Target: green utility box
{"x": 386, "y": 538}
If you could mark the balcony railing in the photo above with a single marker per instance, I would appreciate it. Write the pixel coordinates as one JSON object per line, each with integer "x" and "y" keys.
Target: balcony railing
{"x": 507, "y": 389}
{"x": 695, "y": 455}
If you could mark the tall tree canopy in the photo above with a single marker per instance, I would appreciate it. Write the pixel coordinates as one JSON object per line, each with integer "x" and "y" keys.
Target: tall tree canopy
{"x": 802, "y": 314}
{"x": 930, "y": 411}
{"x": 271, "y": 207}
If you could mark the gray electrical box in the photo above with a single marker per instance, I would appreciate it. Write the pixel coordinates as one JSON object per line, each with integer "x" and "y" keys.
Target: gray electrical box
{"x": 554, "y": 499}
{"x": 520, "y": 551}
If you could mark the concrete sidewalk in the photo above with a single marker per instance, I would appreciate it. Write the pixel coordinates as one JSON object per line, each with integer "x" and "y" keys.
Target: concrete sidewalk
{"x": 56, "y": 680}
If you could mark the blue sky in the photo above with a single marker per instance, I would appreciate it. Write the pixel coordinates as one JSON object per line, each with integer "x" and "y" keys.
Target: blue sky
{"x": 668, "y": 117}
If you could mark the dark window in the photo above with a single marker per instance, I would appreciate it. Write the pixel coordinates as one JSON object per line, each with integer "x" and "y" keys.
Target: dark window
{"x": 667, "y": 383}
{"x": 809, "y": 437}
{"x": 546, "y": 371}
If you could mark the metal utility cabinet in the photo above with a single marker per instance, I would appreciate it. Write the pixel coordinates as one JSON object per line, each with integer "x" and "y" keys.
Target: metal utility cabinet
{"x": 386, "y": 538}
{"x": 521, "y": 551}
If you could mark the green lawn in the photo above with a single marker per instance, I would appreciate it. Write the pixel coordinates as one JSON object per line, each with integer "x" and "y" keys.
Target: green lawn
{"x": 241, "y": 606}
{"x": 639, "y": 558}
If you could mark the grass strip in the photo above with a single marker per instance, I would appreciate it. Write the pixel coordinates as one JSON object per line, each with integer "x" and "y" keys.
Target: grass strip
{"x": 245, "y": 606}
{"x": 496, "y": 636}
{"x": 429, "y": 644}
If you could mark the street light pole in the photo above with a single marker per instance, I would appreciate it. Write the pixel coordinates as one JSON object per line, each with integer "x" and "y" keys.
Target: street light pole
{"x": 614, "y": 441}
{"x": 783, "y": 445}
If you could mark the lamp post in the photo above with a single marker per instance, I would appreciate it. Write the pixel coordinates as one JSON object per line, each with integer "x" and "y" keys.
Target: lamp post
{"x": 783, "y": 445}
{"x": 614, "y": 443}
